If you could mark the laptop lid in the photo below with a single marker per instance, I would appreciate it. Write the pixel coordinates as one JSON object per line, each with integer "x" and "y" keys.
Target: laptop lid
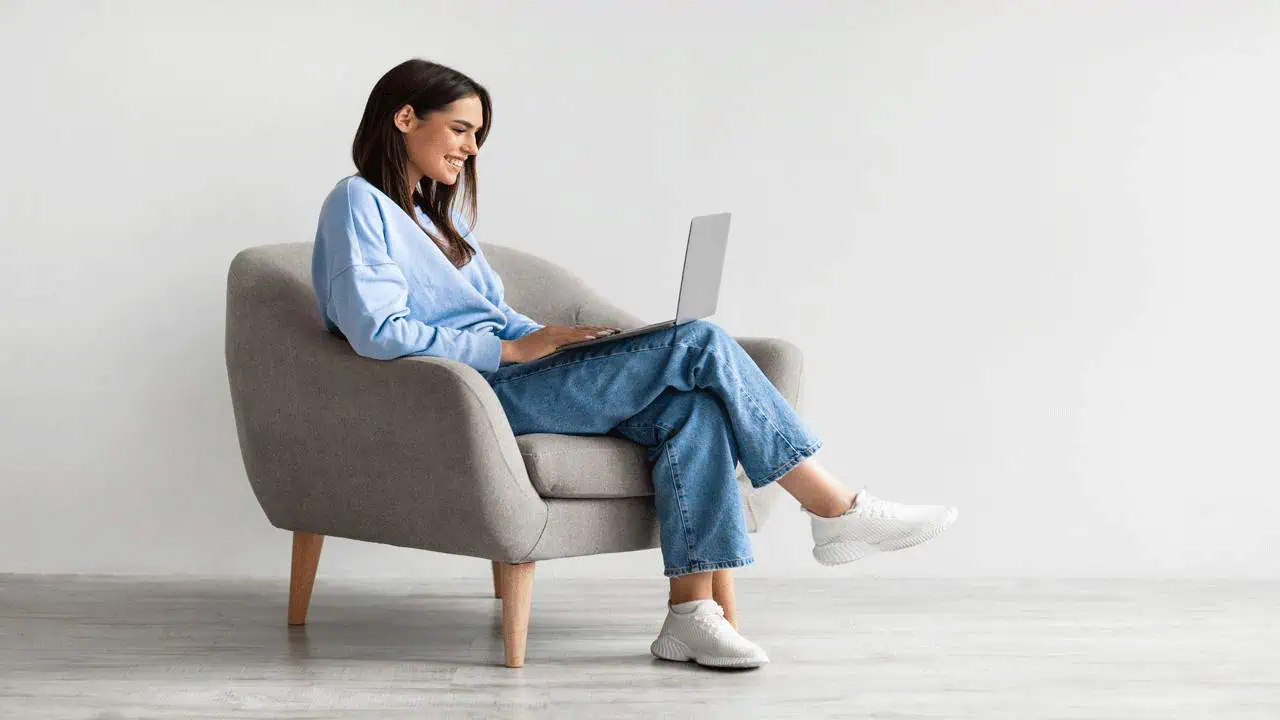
{"x": 703, "y": 266}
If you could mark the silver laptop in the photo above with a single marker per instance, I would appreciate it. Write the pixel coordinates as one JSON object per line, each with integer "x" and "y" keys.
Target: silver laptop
{"x": 699, "y": 282}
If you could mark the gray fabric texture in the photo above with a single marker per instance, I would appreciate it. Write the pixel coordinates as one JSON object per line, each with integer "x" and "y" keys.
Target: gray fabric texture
{"x": 417, "y": 452}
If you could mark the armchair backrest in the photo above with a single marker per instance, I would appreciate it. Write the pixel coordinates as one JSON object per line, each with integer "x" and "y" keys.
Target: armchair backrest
{"x": 273, "y": 321}
{"x": 282, "y": 362}
{"x": 538, "y": 288}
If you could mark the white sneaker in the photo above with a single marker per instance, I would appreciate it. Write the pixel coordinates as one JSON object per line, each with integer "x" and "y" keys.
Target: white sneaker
{"x": 873, "y": 525}
{"x": 705, "y": 637}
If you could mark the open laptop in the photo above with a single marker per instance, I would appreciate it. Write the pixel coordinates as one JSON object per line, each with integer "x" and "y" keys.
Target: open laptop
{"x": 699, "y": 282}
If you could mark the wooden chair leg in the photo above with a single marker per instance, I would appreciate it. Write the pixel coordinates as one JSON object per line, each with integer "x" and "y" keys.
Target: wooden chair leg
{"x": 517, "y": 599}
{"x": 306, "y": 556}
{"x": 722, "y": 593}
{"x": 497, "y": 579}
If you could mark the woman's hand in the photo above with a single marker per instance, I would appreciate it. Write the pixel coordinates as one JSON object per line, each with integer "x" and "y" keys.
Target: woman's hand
{"x": 541, "y": 343}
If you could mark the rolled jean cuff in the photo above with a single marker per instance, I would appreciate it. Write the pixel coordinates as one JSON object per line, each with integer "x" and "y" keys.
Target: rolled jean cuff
{"x": 799, "y": 457}
{"x": 705, "y": 565}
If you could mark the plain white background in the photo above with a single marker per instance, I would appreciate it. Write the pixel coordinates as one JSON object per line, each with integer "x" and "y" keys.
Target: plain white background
{"x": 1029, "y": 250}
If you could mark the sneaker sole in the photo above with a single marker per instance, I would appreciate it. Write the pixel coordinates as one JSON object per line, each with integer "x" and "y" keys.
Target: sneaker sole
{"x": 843, "y": 552}
{"x": 669, "y": 648}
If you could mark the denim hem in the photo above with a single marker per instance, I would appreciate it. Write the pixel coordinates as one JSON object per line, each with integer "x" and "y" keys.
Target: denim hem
{"x": 786, "y": 467}
{"x": 705, "y": 565}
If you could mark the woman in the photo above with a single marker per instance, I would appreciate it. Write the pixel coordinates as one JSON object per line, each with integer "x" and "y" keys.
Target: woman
{"x": 689, "y": 394}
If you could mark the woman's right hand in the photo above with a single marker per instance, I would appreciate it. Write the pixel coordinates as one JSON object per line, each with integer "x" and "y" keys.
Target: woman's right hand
{"x": 541, "y": 343}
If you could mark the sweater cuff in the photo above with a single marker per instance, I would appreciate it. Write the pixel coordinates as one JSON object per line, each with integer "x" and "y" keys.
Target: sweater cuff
{"x": 488, "y": 352}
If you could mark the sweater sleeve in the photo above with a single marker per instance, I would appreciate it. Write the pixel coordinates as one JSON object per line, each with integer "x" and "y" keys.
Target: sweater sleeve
{"x": 368, "y": 301}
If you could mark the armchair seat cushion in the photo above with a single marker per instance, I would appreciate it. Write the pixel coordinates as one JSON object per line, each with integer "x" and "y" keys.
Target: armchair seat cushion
{"x": 587, "y": 466}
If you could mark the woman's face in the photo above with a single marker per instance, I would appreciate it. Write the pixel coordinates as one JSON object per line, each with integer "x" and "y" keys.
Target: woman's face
{"x": 440, "y": 144}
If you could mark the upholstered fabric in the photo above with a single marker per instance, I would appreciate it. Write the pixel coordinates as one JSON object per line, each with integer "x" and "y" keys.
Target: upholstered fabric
{"x": 417, "y": 451}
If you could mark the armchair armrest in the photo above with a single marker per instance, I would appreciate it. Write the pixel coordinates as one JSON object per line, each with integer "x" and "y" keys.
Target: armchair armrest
{"x": 415, "y": 452}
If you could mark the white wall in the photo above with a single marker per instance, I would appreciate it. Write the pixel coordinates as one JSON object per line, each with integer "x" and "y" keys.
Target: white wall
{"x": 1028, "y": 248}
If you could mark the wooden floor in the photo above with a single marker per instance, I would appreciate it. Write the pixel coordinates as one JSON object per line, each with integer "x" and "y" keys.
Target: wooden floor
{"x": 110, "y": 648}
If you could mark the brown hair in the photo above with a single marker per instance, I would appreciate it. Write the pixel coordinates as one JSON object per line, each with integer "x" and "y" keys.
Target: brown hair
{"x": 381, "y": 157}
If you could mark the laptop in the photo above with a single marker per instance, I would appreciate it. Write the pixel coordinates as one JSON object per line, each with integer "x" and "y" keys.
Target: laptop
{"x": 699, "y": 282}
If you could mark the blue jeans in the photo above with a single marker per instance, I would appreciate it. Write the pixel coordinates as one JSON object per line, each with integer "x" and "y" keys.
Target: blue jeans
{"x": 700, "y": 405}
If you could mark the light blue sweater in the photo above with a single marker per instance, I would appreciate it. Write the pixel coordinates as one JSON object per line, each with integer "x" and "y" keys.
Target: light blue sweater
{"x": 385, "y": 286}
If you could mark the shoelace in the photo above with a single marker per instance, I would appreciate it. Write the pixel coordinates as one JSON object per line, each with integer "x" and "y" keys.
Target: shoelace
{"x": 872, "y": 506}
{"x": 715, "y": 623}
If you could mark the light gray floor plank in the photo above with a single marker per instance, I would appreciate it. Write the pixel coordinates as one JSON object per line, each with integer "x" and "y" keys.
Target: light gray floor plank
{"x": 112, "y": 647}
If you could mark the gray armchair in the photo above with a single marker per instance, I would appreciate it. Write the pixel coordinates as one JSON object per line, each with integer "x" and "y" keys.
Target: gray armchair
{"x": 417, "y": 452}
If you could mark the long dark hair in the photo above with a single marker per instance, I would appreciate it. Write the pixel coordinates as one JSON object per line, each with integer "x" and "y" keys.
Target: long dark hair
{"x": 381, "y": 158}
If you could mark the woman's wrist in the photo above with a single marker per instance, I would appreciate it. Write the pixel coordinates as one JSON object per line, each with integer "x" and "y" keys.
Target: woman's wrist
{"x": 508, "y": 353}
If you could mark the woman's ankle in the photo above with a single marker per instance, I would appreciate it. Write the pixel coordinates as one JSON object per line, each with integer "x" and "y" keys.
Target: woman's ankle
{"x": 831, "y": 511}
{"x": 686, "y": 588}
